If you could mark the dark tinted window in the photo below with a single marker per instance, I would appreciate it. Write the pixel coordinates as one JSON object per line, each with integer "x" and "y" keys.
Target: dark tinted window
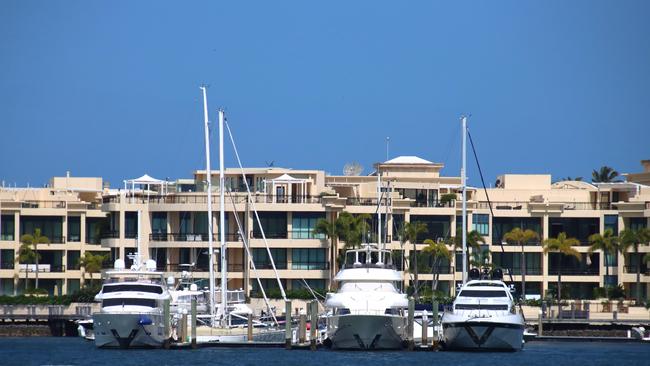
{"x": 482, "y": 293}
{"x": 129, "y": 301}
{"x": 138, "y": 288}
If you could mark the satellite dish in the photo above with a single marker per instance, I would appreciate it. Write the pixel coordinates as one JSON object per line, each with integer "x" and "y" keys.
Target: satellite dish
{"x": 352, "y": 169}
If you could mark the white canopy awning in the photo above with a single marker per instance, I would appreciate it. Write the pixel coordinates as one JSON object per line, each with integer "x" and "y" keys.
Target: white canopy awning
{"x": 286, "y": 178}
{"x": 145, "y": 179}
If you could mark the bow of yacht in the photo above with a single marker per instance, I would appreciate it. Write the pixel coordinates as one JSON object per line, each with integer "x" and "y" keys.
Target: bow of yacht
{"x": 368, "y": 311}
{"x": 483, "y": 316}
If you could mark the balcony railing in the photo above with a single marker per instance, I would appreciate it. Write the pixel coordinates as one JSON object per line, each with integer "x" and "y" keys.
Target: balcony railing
{"x": 304, "y": 234}
{"x": 112, "y": 234}
{"x": 523, "y": 205}
{"x": 269, "y": 234}
{"x": 199, "y": 199}
{"x": 43, "y": 204}
{"x": 267, "y": 265}
{"x": 436, "y": 203}
{"x": 310, "y": 265}
{"x": 7, "y": 265}
{"x": 574, "y": 272}
{"x": 191, "y": 237}
{"x": 535, "y": 271}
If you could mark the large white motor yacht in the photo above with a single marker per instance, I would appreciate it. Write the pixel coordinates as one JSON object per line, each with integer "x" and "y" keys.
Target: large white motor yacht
{"x": 484, "y": 316}
{"x": 132, "y": 304}
{"x": 368, "y": 311}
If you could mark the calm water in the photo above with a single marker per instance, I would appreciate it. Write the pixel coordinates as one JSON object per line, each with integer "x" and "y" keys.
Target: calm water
{"x": 76, "y": 351}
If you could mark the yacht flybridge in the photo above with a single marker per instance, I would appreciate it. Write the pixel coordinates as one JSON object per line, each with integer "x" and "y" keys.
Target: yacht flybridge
{"x": 132, "y": 303}
{"x": 368, "y": 311}
{"x": 484, "y": 316}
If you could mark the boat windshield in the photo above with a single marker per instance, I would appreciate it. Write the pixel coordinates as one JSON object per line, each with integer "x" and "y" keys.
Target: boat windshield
{"x": 482, "y": 293}
{"x": 132, "y": 287}
{"x": 481, "y": 307}
{"x": 373, "y": 258}
{"x": 129, "y": 301}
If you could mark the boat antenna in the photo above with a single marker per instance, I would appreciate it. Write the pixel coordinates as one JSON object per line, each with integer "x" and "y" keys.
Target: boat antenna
{"x": 463, "y": 178}
{"x": 209, "y": 188}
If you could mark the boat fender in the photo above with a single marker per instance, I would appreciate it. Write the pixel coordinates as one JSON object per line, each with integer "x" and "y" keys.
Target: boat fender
{"x": 145, "y": 320}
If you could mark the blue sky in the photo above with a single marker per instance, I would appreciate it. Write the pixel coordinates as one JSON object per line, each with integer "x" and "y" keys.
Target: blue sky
{"x": 110, "y": 88}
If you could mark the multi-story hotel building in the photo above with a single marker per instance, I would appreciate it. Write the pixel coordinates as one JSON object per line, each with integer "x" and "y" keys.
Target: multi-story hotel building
{"x": 69, "y": 214}
{"x": 174, "y": 226}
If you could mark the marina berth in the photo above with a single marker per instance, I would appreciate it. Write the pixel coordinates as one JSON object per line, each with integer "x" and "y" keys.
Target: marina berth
{"x": 483, "y": 316}
{"x": 132, "y": 308}
{"x": 368, "y": 311}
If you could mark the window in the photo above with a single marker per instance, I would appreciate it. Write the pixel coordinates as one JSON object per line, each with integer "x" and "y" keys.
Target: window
{"x": 73, "y": 286}
{"x": 611, "y": 222}
{"x": 481, "y": 307}
{"x": 74, "y": 228}
{"x": 303, "y": 224}
{"x": 637, "y": 223}
{"x": 7, "y": 258}
{"x": 73, "y": 259}
{"x": 273, "y": 223}
{"x": 438, "y": 227}
{"x": 7, "y": 222}
{"x": 129, "y": 301}
{"x": 262, "y": 260}
{"x": 132, "y": 287}
{"x": 481, "y": 223}
{"x": 94, "y": 229}
{"x": 185, "y": 223}
{"x": 314, "y": 284}
{"x": 482, "y": 293}
{"x": 308, "y": 259}
{"x": 159, "y": 225}
{"x": 130, "y": 225}
{"x": 51, "y": 226}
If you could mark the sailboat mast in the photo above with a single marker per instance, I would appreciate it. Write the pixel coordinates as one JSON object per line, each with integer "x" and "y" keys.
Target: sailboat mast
{"x": 222, "y": 221}
{"x": 379, "y": 211}
{"x": 463, "y": 177}
{"x": 209, "y": 183}
{"x": 138, "y": 257}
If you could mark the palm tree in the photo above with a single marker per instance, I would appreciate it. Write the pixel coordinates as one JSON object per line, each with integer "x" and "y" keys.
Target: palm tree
{"x": 348, "y": 228}
{"x": 92, "y": 263}
{"x": 521, "y": 237}
{"x": 328, "y": 228}
{"x": 604, "y": 175}
{"x": 438, "y": 251}
{"x": 633, "y": 239}
{"x": 33, "y": 240}
{"x": 608, "y": 243}
{"x": 564, "y": 246}
{"x": 481, "y": 258}
{"x": 26, "y": 255}
{"x": 409, "y": 232}
{"x": 474, "y": 241}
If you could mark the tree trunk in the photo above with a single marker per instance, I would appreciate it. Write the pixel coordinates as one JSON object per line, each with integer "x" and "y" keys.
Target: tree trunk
{"x": 415, "y": 271}
{"x": 523, "y": 273}
{"x": 434, "y": 282}
{"x": 638, "y": 276}
{"x": 26, "y": 275}
{"x": 606, "y": 275}
{"x": 559, "y": 288}
{"x": 36, "y": 250}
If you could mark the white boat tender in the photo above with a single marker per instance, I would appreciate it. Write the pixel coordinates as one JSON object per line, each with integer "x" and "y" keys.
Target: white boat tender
{"x": 483, "y": 317}
{"x": 368, "y": 311}
{"x": 131, "y": 312}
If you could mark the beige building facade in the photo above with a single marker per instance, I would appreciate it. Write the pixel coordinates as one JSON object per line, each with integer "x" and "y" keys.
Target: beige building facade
{"x": 173, "y": 224}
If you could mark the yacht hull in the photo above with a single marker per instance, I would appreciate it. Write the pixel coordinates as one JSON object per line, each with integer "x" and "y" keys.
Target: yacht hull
{"x": 129, "y": 330}
{"x": 366, "y": 332}
{"x": 483, "y": 335}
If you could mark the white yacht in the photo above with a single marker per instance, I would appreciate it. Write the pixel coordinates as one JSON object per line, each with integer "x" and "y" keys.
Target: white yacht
{"x": 368, "y": 311}
{"x": 132, "y": 304}
{"x": 484, "y": 316}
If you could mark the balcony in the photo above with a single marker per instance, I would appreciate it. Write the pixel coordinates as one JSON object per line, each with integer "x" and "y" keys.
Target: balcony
{"x": 574, "y": 272}
{"x": 203, "y": 199}
{"x": 269, "y": 234}
{"x": 43, "y": 204}
{"x": 42, "y": 268}
{"x": 303, "y": 234}
{"x": 191, "y": 237}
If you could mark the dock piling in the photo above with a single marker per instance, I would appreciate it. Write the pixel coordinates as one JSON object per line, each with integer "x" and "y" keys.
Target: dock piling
{"x": 302, "y": 329}
{"x": 313, "y": 328}
{"x": 287, "y": 324}
{"x": 434, "y": 321}
{"x": 540, "y": 326}
{"x": 425, "y": 329}
{"x": 250, "y": 328}
{"x": 193, "y": 332}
